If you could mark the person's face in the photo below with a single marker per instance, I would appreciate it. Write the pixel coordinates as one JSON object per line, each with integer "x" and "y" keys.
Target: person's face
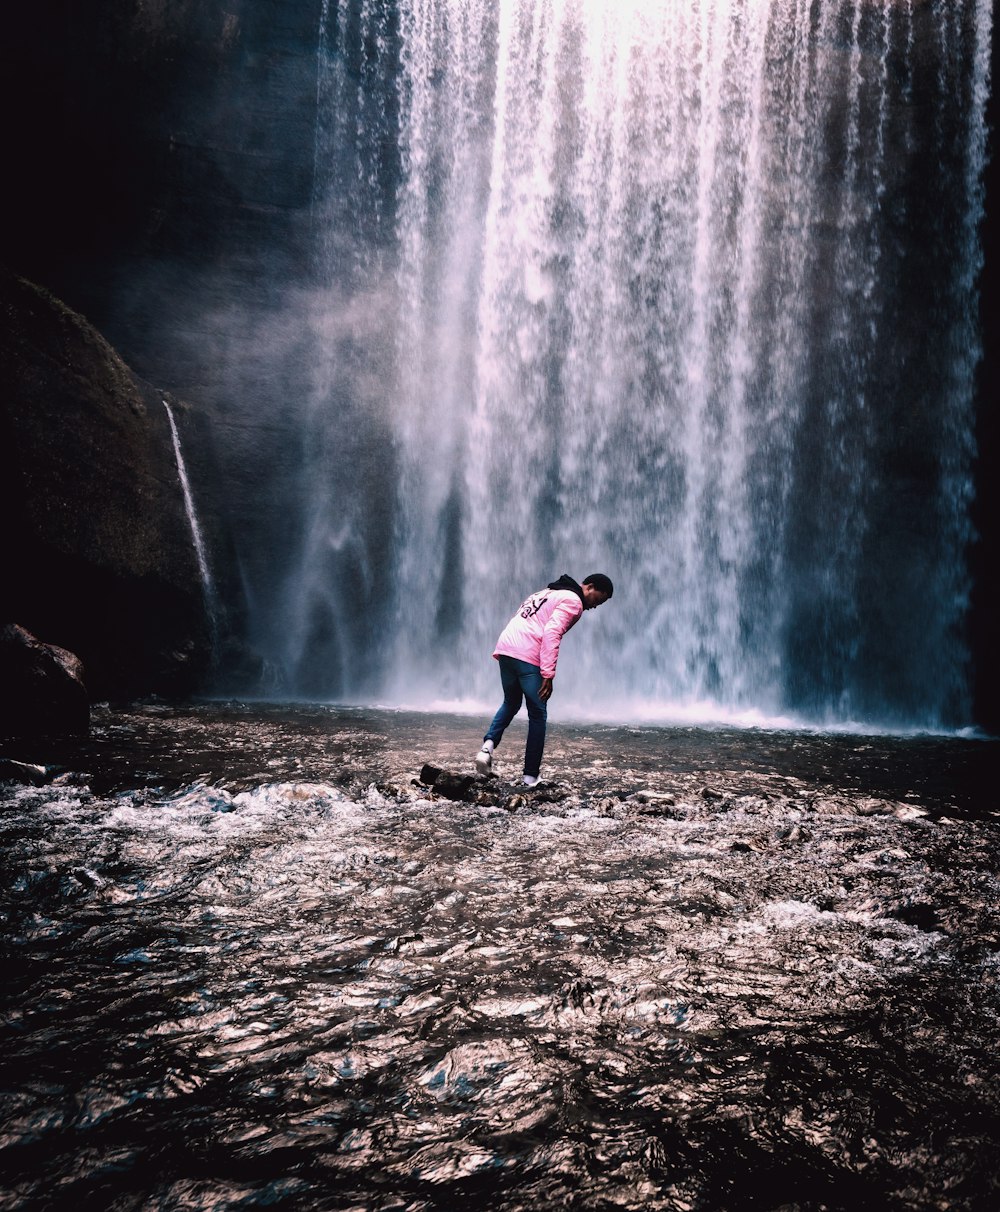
{"x": 593, "y": 597}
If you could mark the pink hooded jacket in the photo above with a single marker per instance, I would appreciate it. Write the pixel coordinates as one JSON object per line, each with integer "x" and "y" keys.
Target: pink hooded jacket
{"x": 535, "y": 632}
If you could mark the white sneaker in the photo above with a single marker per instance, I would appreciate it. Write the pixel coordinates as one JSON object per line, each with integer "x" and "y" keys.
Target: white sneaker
{"x": 484, "y": 759}
{"x": 529, "y": 780}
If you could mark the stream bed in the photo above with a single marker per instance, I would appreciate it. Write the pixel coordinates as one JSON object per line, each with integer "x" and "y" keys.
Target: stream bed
{"x": 250, "y": 961}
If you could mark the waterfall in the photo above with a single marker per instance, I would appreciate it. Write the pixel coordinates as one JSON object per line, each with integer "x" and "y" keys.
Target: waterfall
{"x": 677, "y": 296}
{"x": 207, "y": 584}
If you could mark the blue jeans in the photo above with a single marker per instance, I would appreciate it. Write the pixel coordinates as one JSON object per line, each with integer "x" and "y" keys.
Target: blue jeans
{"x": 521, "y": 682}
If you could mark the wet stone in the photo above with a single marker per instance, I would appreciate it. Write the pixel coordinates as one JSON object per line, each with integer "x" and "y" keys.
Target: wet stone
{"x": 656, "y": 798}
{"x": 449, "y": 783}
{"x": 23, "y": 772}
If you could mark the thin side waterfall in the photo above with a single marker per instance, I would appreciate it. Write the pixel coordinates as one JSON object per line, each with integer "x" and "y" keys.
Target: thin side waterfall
{"x": 676, "y": 295}
{"x": 207, "y": 584}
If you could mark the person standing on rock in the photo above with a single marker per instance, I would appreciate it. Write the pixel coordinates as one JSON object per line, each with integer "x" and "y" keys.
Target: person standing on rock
{"x": 527, "y": 651}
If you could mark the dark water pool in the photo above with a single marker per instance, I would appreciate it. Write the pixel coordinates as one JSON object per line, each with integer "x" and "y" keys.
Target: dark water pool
{"x": 249, "y": 962}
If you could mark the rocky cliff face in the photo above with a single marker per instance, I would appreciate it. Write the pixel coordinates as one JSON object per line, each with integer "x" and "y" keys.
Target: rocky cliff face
{"x": 163, "y": 158}
{"x": 164, "y": 161}
{"x": 98, "y": 555}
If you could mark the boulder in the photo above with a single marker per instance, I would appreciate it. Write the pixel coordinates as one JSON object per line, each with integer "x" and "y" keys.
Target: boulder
{"x": 449, "y": 783}
{"x": 43, "y": 693}
{"x": 97, "y": 544}
{"x": 28, "y": 774}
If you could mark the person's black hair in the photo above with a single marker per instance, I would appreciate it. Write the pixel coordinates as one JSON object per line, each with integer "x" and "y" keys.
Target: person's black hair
{"x": 601, "y": 583}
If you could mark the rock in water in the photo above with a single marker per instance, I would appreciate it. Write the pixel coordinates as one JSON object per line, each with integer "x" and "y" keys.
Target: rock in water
{"x": 42, "y": 687}
{"x": 449, "y": 783}
{"x": 27, "y": 773}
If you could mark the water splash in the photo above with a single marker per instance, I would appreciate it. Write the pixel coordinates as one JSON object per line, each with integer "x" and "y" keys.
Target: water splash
{"x": 322, "y": 640}
{"x": 662, "y": 308}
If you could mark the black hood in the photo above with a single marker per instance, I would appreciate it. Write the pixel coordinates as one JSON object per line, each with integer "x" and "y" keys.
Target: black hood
{"x": 567, "y": 582}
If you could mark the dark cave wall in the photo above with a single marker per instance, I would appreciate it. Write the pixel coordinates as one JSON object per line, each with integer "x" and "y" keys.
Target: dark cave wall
{"x": 174, "y": 133}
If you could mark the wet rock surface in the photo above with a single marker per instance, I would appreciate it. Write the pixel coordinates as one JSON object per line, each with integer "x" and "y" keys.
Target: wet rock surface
{"x": 97, "y": 547}
{"x": 253, "y": 959}
{"x": 41, "y": 686}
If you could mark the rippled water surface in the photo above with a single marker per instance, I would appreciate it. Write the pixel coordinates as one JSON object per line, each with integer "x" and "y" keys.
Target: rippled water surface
{"x": 249, "y": 961}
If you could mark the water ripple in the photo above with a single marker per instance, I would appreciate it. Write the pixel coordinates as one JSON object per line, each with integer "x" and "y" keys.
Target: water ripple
{"x": 228, "y": 992}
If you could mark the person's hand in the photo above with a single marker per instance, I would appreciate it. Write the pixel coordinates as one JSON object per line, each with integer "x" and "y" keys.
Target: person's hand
{"x": 546, "y": 689}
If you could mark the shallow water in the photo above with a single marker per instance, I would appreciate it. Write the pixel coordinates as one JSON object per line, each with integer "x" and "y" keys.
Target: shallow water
{"x": 250, "y": 962}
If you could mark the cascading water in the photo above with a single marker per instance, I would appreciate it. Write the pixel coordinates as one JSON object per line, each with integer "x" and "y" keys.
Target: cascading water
{"x": 201, "y": 554}
{"x": 683, "y": 292}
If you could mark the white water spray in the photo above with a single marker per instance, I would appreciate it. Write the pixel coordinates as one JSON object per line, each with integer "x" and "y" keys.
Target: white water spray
{"x": 660, "y": 272}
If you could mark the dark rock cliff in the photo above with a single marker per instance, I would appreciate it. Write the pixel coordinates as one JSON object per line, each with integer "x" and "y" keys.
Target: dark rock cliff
{"x": 162, "y": 163}
{"x": 97, "y": 547}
